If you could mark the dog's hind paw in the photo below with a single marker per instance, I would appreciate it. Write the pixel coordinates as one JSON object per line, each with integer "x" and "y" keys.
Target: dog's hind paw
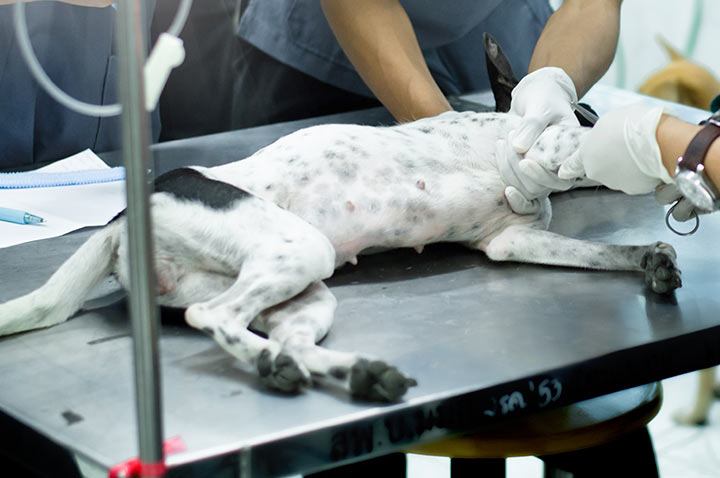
{"x": 283, "y": 372}
{"x": 378, "y": 381}
{"x": 661, "y": 270}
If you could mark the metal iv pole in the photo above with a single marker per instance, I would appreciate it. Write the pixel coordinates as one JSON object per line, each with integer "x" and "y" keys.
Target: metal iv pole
{"x": 143, "y": 310}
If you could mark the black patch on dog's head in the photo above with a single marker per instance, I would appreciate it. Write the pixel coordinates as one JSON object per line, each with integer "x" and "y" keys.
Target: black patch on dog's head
{"x": 186, "y": 183}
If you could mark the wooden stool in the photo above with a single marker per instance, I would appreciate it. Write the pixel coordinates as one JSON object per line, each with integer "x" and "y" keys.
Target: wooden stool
{"x": 583, "y": 425}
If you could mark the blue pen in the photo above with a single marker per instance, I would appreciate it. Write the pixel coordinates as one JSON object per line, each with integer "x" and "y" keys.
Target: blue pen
{"x": 19, "y": 217}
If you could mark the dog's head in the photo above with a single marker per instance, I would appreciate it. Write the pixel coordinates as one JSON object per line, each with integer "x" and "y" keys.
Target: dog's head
{"x": 682, "y": 81}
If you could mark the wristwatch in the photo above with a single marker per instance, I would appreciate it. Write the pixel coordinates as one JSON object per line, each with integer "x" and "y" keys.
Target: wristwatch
{"x": 690, "y": 178}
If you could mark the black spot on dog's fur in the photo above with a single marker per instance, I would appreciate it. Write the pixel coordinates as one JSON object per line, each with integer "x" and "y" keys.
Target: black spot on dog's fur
{"x": 188, "y": 184}
{"x": 229, "y": 339}
{"x": 339, "y": 373}
{"x": 264, "y": 363}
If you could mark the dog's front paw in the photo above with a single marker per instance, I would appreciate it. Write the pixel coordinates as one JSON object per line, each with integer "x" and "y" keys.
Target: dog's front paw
{"x": 661, "y": 270}
{"x": 378, "y": 381}
{"x": 282, "y": 372}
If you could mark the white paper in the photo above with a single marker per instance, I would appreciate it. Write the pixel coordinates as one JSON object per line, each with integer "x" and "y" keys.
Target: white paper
{"x": 64, "y": 208}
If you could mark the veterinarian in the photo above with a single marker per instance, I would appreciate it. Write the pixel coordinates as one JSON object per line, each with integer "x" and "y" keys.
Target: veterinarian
{"x": 305, "y": 58}
{"x": 74, "y": 44}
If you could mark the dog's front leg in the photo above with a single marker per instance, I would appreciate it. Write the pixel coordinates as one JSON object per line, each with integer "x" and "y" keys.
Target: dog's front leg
{"x": 524, "y": 244}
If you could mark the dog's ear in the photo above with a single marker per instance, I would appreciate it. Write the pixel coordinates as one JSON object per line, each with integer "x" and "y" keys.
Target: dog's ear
{"x": 502, "y": 78}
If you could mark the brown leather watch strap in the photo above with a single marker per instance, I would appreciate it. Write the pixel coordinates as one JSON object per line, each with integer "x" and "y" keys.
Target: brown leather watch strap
{"x": 699, "y": 145}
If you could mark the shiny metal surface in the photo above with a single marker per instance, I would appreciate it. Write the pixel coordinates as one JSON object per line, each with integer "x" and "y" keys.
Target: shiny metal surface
{"x": 484, "y": 340}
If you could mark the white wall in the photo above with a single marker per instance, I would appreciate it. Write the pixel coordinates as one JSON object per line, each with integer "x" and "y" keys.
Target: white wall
{"x": 642, "y": 20}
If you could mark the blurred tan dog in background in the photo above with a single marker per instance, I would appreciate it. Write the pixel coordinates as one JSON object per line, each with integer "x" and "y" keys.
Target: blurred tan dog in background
{"x": 685, "y": 82}
{"x": 682, "y": 81}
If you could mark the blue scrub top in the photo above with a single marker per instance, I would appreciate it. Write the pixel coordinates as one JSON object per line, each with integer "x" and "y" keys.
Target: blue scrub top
{"x": 296, "y": 33}
{"x": 75, "y": 47}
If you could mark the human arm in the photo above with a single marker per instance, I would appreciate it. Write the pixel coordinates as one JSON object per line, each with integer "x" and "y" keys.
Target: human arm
{"x": 581, "y": 38}
{"x": 673, "y": 137}
{"x": 84, "y": 3}
{"x": 379, "y": 40}
{"x": 574, "y": 50}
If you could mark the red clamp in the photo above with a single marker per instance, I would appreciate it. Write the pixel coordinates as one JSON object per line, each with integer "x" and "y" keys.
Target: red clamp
{"x": 134, "y": 467}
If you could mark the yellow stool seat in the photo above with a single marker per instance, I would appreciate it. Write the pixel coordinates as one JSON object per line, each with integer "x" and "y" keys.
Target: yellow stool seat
{"x": 578, "y": 426}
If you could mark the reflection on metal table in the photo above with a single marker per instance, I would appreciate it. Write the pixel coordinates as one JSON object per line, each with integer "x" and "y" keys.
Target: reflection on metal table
{"x": 485, "y": 340}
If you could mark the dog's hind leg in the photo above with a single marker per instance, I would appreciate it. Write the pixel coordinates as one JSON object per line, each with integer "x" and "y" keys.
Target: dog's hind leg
{"x": 525, "y": 244}
{"x": 275, "y": 269}
{"x": 299, "y": 324}
{"x": 65, "y": 291}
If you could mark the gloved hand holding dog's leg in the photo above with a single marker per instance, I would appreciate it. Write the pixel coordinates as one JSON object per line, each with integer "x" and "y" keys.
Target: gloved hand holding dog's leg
{"x": 542, "y": 98}
{"x": 621, "y": 152}
{"x": 531, "y": 177}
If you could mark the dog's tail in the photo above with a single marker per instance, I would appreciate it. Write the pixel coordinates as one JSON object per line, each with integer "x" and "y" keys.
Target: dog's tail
{"x": 64, "y": 293}
{"x": 672, "y": 52}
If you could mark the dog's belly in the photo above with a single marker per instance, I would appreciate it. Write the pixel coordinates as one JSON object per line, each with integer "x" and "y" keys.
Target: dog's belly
{"x": 432, "y": 180}
{"x": 403, "y": 186}
{"x": 451, "y": 208}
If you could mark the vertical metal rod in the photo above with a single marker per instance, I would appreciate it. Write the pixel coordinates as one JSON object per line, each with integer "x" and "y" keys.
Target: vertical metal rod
{"x": 143, "y": 310}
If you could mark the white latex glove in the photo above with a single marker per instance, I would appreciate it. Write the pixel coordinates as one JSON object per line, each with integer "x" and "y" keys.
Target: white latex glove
{"x": 531, "y": 177}
{"x": 541, "y": 98}
{"x": 522, "y": 198}
{"x": 621, "y": 152}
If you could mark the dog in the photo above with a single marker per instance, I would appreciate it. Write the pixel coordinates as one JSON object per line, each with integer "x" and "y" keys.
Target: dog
{"x": 682, "y": 81}
{"x": 244, "y": 247}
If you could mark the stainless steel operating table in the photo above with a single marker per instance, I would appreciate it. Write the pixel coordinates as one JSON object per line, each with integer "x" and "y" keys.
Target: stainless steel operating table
{"x": 486, "y": 342}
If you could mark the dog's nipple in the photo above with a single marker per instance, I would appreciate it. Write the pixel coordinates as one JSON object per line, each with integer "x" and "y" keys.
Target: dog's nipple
{"x": 419, "y": 249}
{"x": 350, "y": 206}
{"x": 420, "y": 184}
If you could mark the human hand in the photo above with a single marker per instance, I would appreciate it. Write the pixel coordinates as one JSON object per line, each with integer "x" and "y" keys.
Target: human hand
{"x": 530, "y": 177}
{"x": 542, "y": 98}
{"x": 621, "y": 152}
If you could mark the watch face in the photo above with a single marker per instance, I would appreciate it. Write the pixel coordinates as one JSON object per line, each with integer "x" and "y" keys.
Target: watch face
{"x": 689, "y": 183}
